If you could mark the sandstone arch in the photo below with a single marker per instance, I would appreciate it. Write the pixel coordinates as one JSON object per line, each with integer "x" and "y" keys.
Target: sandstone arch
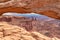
{"x": 49, "y": 8}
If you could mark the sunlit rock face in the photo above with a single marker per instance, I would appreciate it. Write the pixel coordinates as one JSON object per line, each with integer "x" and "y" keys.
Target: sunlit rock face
{"x": 34, "y": 27}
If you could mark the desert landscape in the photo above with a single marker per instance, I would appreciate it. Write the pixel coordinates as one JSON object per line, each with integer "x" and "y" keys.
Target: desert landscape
{"x": 29, "y": 19}
{"x": 29, "y": 27}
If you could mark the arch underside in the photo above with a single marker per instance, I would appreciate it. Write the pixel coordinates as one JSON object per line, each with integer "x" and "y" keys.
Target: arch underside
{"x": 22, "y": 10}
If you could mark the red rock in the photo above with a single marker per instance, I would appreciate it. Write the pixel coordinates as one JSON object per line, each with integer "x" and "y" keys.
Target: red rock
{"x": 49, "y": 8}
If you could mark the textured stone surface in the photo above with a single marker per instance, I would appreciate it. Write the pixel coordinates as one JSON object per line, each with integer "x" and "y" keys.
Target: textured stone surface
{"x": 29, "y": 28}
{"x": 49, "y": 8}
{"x": 1, "y": 1}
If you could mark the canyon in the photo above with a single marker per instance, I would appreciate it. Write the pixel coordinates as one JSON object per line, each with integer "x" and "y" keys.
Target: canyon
{"x": 29, "y": 27}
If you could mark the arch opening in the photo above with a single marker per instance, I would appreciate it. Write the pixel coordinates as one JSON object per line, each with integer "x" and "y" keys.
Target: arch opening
{"x": 29, "y": 15}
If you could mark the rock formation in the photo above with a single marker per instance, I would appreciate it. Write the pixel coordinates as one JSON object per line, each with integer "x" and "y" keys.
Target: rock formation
{"x": 49, "y": 8}
{"x": 29, "y": 28}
